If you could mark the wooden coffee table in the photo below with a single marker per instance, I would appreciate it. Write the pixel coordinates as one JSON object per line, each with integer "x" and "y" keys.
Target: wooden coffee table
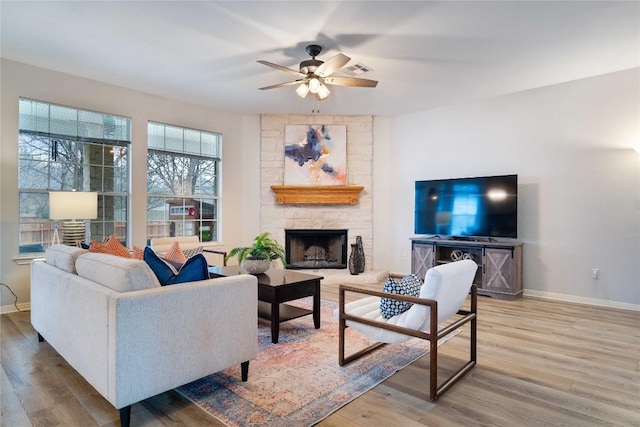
{"x": 277, "y": 286}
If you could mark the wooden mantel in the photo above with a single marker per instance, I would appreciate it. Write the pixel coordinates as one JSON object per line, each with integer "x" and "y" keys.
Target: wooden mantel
{"x": 317, "y": 194}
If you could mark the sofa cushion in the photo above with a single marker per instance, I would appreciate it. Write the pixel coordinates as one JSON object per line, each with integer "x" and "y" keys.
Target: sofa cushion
{"x": 168, "y": 273}
{"x": 115, "y": 272}
{"x": 63, "y": 256}
{"x": 409, "y": 285}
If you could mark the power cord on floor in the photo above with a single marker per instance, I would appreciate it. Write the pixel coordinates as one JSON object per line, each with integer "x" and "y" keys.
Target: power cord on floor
{"x": 15, "y": 302}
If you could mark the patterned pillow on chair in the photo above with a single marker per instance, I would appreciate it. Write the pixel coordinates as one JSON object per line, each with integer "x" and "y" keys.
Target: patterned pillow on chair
{"x": 177, "y": 254}
{"x": 409, "y": 285}
{"x": 191, "y": 252}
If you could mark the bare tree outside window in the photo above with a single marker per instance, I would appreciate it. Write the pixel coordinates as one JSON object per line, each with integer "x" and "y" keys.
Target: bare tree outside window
{"x": 182, "y": 182}
{"x": 64, "y": 148}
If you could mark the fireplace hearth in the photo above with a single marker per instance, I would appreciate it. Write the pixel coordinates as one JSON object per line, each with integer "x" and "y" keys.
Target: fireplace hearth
{"x": 311, "y": 249}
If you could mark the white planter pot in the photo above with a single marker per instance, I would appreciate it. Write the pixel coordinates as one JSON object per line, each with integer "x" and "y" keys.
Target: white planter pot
{"x": 256, "y": 266}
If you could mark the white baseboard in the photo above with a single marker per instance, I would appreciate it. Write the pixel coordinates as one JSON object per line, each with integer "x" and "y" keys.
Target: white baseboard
{"x": 25, "y": 306}
{"x": 581, "y": 300}
{"x": 527, "y": 292}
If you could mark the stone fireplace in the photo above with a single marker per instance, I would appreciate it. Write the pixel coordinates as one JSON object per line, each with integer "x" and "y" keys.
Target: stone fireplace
{"x": 312, "y": 249}
{"x": 356, "y": 218}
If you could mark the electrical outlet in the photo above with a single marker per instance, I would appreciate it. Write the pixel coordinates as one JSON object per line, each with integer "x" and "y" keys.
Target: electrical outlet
{"x": 595, "y": 273}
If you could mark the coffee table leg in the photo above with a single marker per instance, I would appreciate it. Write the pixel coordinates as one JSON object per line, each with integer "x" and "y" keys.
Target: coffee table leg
{"x": 316, "y": 307}
{"x": 275, "y": 322}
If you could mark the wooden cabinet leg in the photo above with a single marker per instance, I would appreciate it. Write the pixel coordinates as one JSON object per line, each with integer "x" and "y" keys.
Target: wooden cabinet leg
{"x": 244, "y": 369}
{"x": 125, "y": 416}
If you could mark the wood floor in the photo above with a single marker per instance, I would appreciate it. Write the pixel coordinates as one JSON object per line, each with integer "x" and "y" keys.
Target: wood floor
{"x": 540, "y": 363}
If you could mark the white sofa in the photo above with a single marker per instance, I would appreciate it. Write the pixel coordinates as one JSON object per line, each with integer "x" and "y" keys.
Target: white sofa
{"x": 131, "y": 338}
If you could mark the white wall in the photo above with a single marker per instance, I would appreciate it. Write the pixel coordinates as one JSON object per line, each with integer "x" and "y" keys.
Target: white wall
{"x": 240, "y": 155}
{"x": 579, "y": 179}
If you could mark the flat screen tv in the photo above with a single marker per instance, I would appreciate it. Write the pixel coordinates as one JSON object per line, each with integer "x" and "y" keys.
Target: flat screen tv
{"x": 484, "y": 206}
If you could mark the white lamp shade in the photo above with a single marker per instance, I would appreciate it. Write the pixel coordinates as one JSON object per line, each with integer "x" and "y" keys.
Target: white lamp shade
{"x": 314, "y": 85}
{"x": 73, "y": 205}
{"x": 323, "y": 92}
{"x": 302, "y": 90}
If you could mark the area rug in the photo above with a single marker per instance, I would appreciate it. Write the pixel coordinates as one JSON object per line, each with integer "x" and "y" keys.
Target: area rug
{"x": 298, "y": 382}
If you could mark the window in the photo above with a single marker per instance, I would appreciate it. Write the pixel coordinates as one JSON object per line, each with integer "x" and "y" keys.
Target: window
{"x": 65, "y": 148}
{"x": 183, "y": 182}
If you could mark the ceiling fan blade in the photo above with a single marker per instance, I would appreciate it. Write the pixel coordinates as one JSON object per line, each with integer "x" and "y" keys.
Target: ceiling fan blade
{"x": 350, "y": 81}
{"x": 332, "y": 65}
{"x": 281, "y": 68}
{"x": 295, "y": 82}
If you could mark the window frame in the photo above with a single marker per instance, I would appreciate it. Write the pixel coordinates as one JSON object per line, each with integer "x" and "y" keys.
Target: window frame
{"x": 199, "y": 209}
{"x": 101, "y": 143}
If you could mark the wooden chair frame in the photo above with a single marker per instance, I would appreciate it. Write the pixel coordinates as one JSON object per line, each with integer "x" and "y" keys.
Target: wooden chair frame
{"x": 215, "y": 251}
{"x": 432, "y": 336}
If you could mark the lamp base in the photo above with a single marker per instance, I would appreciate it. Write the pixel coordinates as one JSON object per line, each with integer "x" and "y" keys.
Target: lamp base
{"x": 72, "y": 232}
{"x": 55, "y": 239}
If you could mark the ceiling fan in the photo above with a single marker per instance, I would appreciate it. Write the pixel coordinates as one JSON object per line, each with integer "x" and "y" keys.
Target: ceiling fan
{"x": 314, "y": 74}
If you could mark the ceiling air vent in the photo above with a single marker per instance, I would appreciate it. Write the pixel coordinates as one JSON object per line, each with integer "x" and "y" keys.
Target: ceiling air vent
{"x": 356, "y": 69}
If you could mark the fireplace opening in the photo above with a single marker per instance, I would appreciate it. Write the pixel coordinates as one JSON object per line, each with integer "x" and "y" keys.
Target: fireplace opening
{"x": 316, "y": 249}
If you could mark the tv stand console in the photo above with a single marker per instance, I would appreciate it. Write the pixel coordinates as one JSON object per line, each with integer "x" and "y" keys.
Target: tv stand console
{"x": 499, "y": 272}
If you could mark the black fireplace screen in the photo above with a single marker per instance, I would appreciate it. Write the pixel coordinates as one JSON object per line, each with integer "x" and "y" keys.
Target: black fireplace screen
{"x": 316, "y": 248}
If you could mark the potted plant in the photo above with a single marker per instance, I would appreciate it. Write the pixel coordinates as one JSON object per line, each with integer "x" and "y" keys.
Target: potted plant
{"x": 256, "y": 259}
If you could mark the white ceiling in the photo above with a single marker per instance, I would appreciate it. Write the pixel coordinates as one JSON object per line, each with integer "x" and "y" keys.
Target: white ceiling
{"x": 425, "y": 54}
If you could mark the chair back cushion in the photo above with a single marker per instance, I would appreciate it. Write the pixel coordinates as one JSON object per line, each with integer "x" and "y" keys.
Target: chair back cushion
{"x": 449, "y": 284}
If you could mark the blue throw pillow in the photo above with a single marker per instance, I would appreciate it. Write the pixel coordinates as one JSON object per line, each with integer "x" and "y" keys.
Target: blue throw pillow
{"x": 194, "y": 269}
{"x": 409, "y": 285}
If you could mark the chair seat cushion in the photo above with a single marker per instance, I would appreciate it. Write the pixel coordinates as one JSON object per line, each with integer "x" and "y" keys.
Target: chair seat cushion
{"x": 369, "y": 308}
{"x": 409, "y": 285}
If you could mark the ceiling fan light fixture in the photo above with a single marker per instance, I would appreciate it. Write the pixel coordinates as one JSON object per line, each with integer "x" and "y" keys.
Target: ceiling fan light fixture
{"x": 314, "y": 73}
{"x": 323, "y": 92}
{"x": 314, "y": 84}
{"x": 302, "y": 90}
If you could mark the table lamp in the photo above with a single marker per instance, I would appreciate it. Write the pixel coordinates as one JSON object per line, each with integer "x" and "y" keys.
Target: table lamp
{"x": 72, "y": 206}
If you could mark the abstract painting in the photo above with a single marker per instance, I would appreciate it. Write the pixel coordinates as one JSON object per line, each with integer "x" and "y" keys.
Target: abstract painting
{"x": 315, "y": 155}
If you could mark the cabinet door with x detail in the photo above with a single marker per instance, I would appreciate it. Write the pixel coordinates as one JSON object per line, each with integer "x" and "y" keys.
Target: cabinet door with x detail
{"x": 422, "y": 258}
{"x": 499, "y": 271}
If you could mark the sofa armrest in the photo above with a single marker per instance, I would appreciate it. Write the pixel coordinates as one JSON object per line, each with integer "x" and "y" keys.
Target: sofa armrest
{"x": 165, "y": 337}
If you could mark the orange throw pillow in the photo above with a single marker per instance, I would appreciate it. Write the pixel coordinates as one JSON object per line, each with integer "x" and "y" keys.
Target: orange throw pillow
{"x": 175, "y": 254}
{"x": 112, "y": 247}
{"x": 138, "y": 253}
